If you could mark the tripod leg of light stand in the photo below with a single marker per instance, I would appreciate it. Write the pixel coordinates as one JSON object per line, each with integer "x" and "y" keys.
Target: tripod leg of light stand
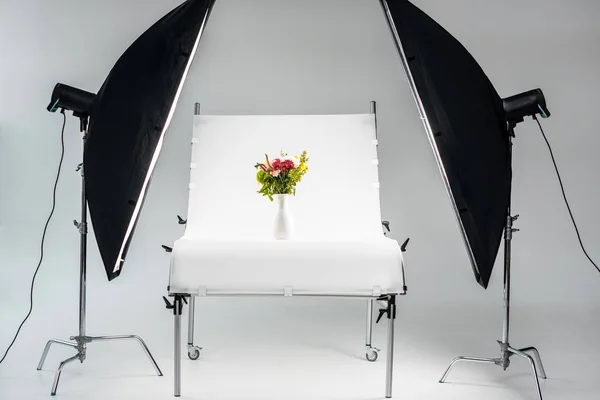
{"x": 468, "y": 359}
{"x": 47, "y": 349}
{"x": 538, "y": 360}
{"x": 59, "y": 371}
{"x": 533, "y": 368}
{"x": 133, "y": 337}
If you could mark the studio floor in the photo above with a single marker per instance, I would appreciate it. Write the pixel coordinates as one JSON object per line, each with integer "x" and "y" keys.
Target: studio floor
{"x": 313, "y": 349}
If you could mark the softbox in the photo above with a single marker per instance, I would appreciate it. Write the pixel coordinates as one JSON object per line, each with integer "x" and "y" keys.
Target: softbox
{"x": 129, "y": 118}
{"x": 465, "y": 120}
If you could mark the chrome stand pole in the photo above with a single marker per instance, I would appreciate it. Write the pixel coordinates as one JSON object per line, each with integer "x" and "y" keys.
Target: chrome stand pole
{"x": 82, "y": 227}
{"x": 506, "y": 350}
{"x": 81, "y": 340}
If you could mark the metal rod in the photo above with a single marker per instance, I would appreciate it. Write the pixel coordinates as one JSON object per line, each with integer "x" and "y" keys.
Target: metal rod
{"x": 507, "y": 255}
{"x": 191, "y": 317}
{"x": 508, "y": 231}
{"x": 538, "y": 360}
{"x": 389, "y": 372}
{"x": 227, "y": 293}
{"x": 83, "y": 251}
{"x": 370, "y": 304}
{"x": 425, "y": 120}
{"x": 197, "y": 109}
{"x": 177, "y": 349}
{"x": 59, "y": 372}
{"x": 471, "y": 359}
{"x": 533, "y": 368}
{"x": 132, "y": 337}
{"x": 47, "y": 348}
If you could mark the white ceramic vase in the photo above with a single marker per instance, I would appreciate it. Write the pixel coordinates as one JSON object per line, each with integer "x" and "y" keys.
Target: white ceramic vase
{"x": 283, "y": 226}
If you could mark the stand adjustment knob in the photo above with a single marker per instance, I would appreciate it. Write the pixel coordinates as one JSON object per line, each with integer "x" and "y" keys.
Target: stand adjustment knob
{"x": 386, "y": 224}
{"x": 382, "y": 312}
{"x": 170, "y": 305}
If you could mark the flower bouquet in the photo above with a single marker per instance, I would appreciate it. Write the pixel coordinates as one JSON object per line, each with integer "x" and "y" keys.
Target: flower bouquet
{"x": 278, "y": 179}
{"x": 281, "y": 175}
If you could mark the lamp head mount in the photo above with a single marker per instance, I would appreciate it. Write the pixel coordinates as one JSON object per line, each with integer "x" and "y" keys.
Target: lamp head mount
{"x": 72, "y": 99}
{"x": 525, "y": 104}
{"x": 79, "y": 101}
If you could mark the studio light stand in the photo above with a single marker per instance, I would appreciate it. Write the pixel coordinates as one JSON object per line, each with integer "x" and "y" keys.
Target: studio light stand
{"x": 506, "y": 350}
{"x": 428, "y": 45}
{"x": 72, "y": 99}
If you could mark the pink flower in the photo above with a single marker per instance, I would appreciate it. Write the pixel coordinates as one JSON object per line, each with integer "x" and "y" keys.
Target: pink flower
{"x": 282, "y": 165}
{"x": 291, "y": 162}
{"x": 275, "y": 172}
{"x": 287, "y": 165}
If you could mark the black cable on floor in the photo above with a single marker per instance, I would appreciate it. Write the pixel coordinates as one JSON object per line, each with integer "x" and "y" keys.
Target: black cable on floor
{"x": 62, "y": 155}
{"x": 564, "y": 195}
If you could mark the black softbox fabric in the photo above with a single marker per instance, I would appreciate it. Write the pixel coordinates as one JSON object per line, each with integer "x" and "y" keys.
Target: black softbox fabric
{"x": 127, "y": 124}
{"x": 469, "y": 127}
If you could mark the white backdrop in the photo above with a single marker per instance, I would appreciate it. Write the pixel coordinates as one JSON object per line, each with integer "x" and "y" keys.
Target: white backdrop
{"x": 337, "y": 200}
{"x": 281, "y": 57}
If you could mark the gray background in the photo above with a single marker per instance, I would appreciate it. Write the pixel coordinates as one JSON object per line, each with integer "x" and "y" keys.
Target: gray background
{"x": 280, "y": 57}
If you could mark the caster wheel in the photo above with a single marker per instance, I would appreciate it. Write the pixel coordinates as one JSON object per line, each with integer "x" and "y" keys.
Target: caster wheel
{"x": 194, "y": 353}
{"x": 372, "y": 356}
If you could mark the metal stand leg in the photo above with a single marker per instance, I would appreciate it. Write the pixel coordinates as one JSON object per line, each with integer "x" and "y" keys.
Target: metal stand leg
{"x": 538, "y": 360}
{"x": 193, "y": 351}
{"x": 371, "y": 352}
{"x": 177, "y": 317}
{"x": 533, "y": 368}
{"x": 391, "y": 314}
{"x": 47, "y": 349}
{"x": 59, "y": 371}
{"x": 472, "y": 359}
{"x": 133, "y": 337}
